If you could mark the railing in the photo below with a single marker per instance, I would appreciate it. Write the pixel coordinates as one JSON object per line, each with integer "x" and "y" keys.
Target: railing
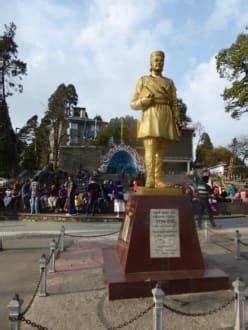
{"x": 16, "y": 315}
{"x": 236, "y": 239}
{"x": 158, "y": 307}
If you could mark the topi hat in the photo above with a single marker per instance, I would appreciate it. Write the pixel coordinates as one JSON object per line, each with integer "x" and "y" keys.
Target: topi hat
{"x": 157, "y": 52}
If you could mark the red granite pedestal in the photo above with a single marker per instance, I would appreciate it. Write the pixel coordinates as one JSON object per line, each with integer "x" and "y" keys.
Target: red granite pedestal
{"x": 158, "y": 242}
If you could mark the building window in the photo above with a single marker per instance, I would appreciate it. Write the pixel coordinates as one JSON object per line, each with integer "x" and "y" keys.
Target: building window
{"x": 74, "y": 126}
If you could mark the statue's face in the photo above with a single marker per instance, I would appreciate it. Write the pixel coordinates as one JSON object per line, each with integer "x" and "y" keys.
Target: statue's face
{"x": 157, "y": 63}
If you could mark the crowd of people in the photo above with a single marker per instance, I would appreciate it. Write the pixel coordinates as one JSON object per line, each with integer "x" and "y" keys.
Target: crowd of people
{"x": 85, "y": 193}
{"x": 206, "y": 195}
{"x": 80, "y": 194}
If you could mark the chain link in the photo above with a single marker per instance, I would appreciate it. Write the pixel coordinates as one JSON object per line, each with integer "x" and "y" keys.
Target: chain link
{"x": 243, "y": 243}
{"x": 21, "y": 316}
{"x": 223, "y": 247}
{"x": 215, "y": 310}
{"x": 124, "y": 324}
{"x": 34, "y": 294}
{"x": 222, "y": 236}
{"x": 33, "y": 324}
{"x": 92, "y": 236}
{"x": 29, "y": 322}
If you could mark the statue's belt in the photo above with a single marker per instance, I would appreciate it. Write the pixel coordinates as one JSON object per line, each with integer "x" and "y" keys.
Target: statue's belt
{"x": 161, "y": 101}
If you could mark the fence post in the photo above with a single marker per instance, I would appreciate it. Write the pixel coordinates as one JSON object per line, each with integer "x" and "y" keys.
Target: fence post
{"x": 14, "y": 311}
{"x": 158, "y": 309}
{"x": 52, "y": 255}
{"x": 237, "y": 245}
{"x": 42, "y": 263}
{"x": 239, "y": 289}
{"x": 62, "y": 235}
{"x": 206, "y": 230}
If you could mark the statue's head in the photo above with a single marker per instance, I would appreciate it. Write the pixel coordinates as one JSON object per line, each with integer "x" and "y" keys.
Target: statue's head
{"x": 157, "y": 61}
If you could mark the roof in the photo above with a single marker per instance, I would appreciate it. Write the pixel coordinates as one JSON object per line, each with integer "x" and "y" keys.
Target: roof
{"x": 186, "y": 128}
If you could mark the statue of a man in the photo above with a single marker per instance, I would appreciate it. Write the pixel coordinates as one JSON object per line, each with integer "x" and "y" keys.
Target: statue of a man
{"x": 155, "y": 95}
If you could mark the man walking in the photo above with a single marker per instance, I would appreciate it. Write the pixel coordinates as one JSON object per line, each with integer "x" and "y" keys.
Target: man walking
{"x": 204, "y": 192}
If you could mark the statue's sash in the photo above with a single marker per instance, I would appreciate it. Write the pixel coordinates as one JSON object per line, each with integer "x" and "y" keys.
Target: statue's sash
{"x": 159, "y": 87}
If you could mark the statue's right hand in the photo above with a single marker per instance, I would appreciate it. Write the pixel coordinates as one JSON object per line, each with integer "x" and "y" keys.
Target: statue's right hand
{"x": 147, "y": 101}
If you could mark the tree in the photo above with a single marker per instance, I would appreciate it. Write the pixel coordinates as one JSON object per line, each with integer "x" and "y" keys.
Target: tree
{"x": 219, "y": 155}
{"x": 203, "y": 150}
{"x": 239, "y": 147}
{"x": 27, "y": 133}
{"x": 198, "y": 130}
{"x": 113, "y": 129}
{"x": 98, "y": 118}
{"x": 104, "y": 135}
{"x": 27, "y": 144}
{"x": 233, "y": 146}
{"x": 71, "y": 99}
{"x": 60, "y": 105}
{"x": 183, "y": 109}
{"x": 232, "y": 63}
{"x": 8, "y": 144}
{"x": 11, "y": 66}
{"x": 206, "y": 141}
{"x": 42, "y": 142}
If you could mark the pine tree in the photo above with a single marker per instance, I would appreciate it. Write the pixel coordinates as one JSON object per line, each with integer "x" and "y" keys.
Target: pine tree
{"x": 11, "y": 68}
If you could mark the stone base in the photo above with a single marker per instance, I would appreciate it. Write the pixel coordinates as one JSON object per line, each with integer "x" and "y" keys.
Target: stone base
{"x": 163, "y": 247}
{"x": 137, "y": 285}
{"x": 167, "y": 191}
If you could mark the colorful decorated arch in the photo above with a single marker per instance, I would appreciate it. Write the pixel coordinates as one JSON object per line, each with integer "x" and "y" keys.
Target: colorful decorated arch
{"x": 122, "y": 158}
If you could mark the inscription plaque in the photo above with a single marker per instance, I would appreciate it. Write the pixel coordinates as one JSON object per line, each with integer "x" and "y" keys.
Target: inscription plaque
{"x": 125, "y": 228}
{"x": 164, "y": 233}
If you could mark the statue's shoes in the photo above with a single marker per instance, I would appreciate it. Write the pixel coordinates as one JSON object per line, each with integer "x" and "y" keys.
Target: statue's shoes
{"x": 161, "y": 184}
{"x": 150, "y": 185}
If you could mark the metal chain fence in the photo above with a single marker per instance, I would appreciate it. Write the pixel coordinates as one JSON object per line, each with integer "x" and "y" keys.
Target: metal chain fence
{"x": 34, "y": 294}
{"x": 21, "y": 315}
{"x": 198, "y": 314}
{"x": 133, "y": 319}
{"x": 92, "y": 236}
{"x": 230, "y": 240}
{"x": 243, "y": 243}
{"x": 220, "y": 235}
{"x": 32, "y": 323}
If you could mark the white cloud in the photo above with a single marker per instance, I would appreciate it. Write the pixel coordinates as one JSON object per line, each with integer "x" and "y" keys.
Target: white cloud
{"x": 102, "y": 47}
{"x": 201, "y": 92}
{"x": 227, "y": 13}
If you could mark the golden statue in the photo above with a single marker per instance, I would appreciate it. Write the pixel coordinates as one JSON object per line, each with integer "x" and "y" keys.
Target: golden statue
{"x": 155, "y": 95}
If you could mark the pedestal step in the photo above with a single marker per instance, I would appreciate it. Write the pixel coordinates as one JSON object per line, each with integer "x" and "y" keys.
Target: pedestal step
{"x": 136, "y": 285}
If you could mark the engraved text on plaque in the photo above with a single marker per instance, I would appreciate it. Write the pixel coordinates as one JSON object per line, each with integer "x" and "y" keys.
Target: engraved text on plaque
{"x": 164, "y": 233}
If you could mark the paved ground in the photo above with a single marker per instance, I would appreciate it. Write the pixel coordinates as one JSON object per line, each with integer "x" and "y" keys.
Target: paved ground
{"x": 77, "y": 292}
{"x": 23, "y": 244}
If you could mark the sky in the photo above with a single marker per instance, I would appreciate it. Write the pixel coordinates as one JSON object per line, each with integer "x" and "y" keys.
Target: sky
{"x": 102, "y": 47}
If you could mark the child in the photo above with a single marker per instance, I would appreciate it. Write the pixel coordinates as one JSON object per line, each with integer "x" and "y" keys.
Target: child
{"x": 78, "y": 203}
